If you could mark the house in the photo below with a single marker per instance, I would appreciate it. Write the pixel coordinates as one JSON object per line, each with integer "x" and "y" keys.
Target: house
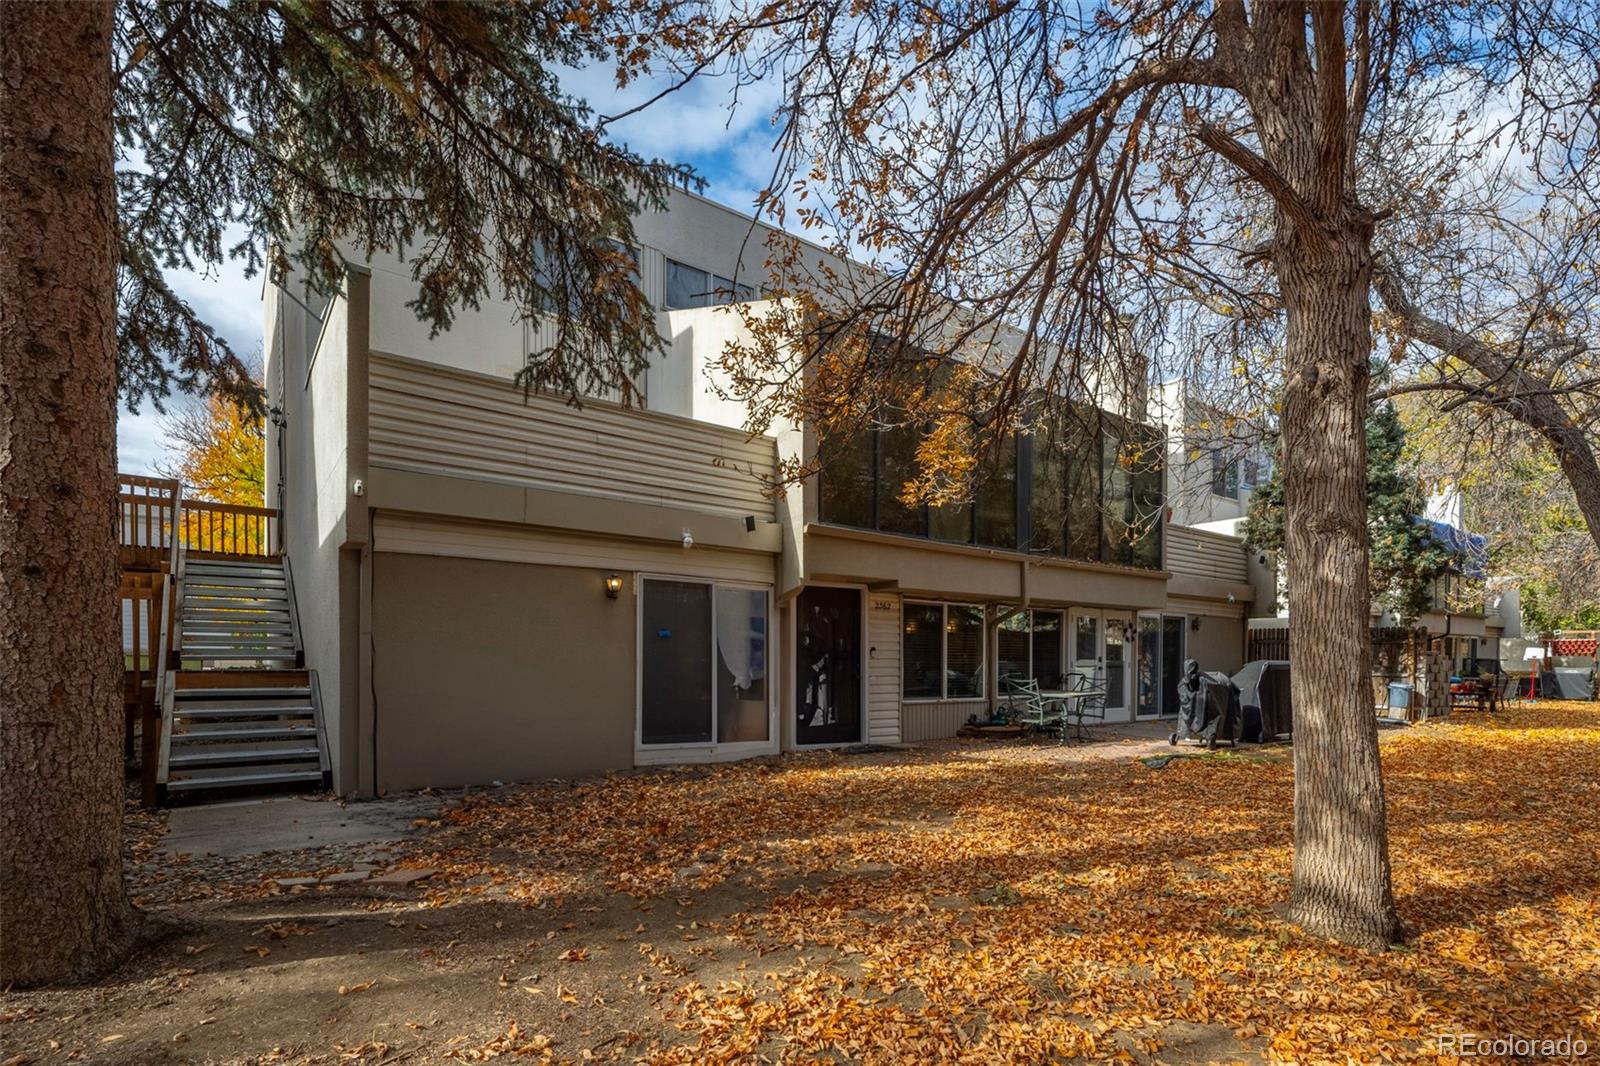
{"x": 499, "y": 587}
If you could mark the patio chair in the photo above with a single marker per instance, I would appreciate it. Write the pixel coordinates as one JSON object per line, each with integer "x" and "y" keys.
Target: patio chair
{"x": 1091, "y": 706}
{"x": 1027, "y": 707}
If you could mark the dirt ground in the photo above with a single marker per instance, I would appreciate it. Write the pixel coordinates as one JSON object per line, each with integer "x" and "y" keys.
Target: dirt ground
{"x": 968, "y": 901}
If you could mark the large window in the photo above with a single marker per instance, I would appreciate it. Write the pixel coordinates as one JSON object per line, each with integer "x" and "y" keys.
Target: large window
{"x": 703, "y": 663}
{"x": 1030, "y": 646}
{"x": 942, "y": 651}
{"x": 689, "y": 286}
{"x": 1088, "y": 487}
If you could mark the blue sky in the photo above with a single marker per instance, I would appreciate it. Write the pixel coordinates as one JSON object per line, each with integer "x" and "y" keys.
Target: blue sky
{"x": 733, "y": 153}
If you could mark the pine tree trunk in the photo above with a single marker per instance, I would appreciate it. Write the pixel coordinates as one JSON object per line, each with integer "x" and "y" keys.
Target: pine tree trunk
{"x": 65, "y": 912}
{"x": 1341, "y": 846}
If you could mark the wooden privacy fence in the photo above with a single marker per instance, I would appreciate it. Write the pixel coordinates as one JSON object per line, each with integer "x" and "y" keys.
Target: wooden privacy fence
{"x": 230, "y": 529}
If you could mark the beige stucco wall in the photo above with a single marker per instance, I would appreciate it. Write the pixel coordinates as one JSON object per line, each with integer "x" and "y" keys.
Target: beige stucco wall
{"x": 311, "y": 366}
{"x": 1219, "y": 643}
{"x": 488, "y": 670}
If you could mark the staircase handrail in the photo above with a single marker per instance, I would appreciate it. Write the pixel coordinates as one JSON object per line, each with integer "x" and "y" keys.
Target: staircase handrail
{"x": 294, "y": 612}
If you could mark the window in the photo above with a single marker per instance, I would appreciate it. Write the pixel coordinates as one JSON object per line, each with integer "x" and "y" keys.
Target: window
{"x": 1224, "y": 475}
{"x": 1030, "y": 646}
{"x": 922, "y": 651}
{"x": 846, "y": 480}
{"x": 963, "y": 660}
{"x": 942, "y": 651}
{"x": 703, "y": 663}
{"x": 689, "y": 286}
{"x": 996, "y": 519}
{"x": 686, "y": 286}
{"x": 897, "y": 464}
{"x": 1068, "y": 487}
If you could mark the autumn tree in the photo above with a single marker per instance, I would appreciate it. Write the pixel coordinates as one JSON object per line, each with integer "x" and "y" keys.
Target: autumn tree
{"x": 1061, "y": 193}
{"x": 147, "y": 135}
{"x": 1510, "y": 482}
{"x": 216, "y": 446}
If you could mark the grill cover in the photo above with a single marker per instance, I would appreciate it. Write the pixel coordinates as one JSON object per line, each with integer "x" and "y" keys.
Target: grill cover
{"x": 1264, "y": 700}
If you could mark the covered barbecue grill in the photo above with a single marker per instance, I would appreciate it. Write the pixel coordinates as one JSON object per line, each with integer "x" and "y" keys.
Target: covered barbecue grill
{"x": 1208, "y": 707}
{"x": 1264, "y": 700}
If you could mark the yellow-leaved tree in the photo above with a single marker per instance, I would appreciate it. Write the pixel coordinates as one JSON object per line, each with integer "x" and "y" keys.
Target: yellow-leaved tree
{"x": 217, "y": 448}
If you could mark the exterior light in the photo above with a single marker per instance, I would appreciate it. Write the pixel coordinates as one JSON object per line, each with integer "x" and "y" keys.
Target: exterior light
{"x": 613, "y": 586}
{"x": 1194, "y": 623}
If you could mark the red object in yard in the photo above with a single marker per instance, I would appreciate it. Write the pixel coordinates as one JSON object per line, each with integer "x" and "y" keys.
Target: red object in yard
{"x": 1575, "y": 646}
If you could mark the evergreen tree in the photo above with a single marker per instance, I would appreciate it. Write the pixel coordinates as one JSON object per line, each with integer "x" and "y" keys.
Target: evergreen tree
{"x": 146, "y": 135}
{"x": 1406, "y": 557}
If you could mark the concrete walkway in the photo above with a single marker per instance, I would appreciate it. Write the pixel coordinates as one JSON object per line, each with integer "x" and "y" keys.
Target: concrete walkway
{"x": 290, "y": 823}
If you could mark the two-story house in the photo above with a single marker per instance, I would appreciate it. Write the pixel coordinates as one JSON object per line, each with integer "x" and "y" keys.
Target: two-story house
{"x": 499, "y": 587}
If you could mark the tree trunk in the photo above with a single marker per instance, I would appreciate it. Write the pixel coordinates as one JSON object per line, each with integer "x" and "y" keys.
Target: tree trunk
{"x": 65, "y": 912}
{"x": 1341, "y": 846}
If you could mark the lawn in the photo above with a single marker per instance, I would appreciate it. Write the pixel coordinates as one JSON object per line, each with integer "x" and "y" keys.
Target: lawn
{"x": 963, "y": 902}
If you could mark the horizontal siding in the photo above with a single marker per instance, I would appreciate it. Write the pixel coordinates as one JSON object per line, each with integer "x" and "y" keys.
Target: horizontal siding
{"x": 937, "y": 721}
{"x": 1200, "y": 553}
{"x": 883, "y": 670}
{"x": 418, "y": 535}
{"x": 434, "y": 420}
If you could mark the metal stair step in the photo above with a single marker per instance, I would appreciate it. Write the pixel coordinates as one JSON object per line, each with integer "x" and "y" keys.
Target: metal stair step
{"x": 233, "y": 713}
{"x": 245, "y": 655}
{"x": 233, "y": 640}
{"x": 235, "y": 580}
{"x": 244, "y": 731}
{"x": 209, "y": 595}
{"x": 244, "y": 754}
{"x": 246, "y": 780}
{"x": 211, "y": 566}
{"x": 244, "y": 692}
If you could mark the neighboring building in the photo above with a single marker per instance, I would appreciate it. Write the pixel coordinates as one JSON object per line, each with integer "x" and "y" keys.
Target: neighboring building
{"x": 499, "y": 588}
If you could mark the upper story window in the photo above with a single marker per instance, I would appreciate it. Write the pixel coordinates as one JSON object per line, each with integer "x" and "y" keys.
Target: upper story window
{"x": 862, "y": 477}
{"x": 1090, "y": 491}
{"x": 689, "y": 286}
{"x": 1224, "y": 475}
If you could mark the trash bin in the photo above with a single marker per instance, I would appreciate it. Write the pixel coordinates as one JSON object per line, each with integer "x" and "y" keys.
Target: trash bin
{"x": 1399, "y": 696}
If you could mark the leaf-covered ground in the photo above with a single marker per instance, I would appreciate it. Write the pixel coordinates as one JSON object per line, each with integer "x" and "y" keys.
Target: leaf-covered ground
{"x": 967, "y": 902}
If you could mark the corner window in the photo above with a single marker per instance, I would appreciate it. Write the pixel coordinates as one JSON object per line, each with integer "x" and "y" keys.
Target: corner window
{"x": 942, "y": 651}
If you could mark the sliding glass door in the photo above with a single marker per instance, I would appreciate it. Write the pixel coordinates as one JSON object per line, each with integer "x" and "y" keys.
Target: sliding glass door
{"x": 703, "y": 659}
{"x": 1160, "y": 663}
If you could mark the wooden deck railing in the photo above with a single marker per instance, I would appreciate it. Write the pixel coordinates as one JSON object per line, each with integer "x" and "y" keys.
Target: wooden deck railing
{"x": 230, "y": 529}
{"x": 147, "y": 515}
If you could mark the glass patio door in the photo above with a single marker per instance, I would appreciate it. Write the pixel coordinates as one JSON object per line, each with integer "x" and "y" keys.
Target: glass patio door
{"x": 1160, "y": 663}
{"x": 1099, "y": 651}
{"x": 703, "y": 665}
{"x": 1117, "y": 661}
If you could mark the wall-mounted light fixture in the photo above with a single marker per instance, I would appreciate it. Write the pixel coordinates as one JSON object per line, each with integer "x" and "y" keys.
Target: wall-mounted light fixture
{"x": 613, "y": 586}
{"x": 1194, "y": 624}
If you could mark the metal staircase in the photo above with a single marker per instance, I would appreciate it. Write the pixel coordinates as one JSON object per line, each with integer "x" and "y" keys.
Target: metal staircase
{"x": 240, "y": 711}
